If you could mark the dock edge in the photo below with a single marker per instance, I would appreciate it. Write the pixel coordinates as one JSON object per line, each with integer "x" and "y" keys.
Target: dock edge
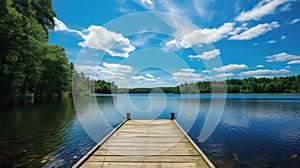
{"x": 93, "y": 150}
{"x": 210, "y": 164}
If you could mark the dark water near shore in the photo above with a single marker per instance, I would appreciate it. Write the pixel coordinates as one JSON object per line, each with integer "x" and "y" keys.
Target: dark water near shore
{"x": 255, "y": 130}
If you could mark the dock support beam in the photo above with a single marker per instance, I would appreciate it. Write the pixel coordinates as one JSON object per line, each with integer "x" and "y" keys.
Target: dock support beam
{"x": 128, "y": 116}
{"x": 172, "y": 116}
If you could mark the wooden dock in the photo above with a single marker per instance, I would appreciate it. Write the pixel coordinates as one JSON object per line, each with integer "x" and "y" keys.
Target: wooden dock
{"x": 147, "y": 144}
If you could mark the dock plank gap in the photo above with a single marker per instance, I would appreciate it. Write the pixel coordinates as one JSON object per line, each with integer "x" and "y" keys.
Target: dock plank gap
{"x": 146, "y": 143}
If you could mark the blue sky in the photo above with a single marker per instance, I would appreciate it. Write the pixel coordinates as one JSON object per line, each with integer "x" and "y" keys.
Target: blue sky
{"x": 148, "y": 43}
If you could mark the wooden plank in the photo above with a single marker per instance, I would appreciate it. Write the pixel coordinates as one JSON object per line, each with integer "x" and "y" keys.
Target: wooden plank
{"x": 141, "y": 159}
{"x": 150, "y": 121}
{"x": 154, "y": 149}
{"x": 146, "y": 134}
{"x": 143, "y": 165}
{"x": 142, "y": 153}
{"x": 143, "y": 129}
{"x": 181, "y": 145}
{"x": 153, "y": 132}
{"x": 150, "y": 144}
{"x": 147, "y": 140}
{"x": 147, "y": 143}
{"x": 85, "y": 157}
{"x": 210, "y": 164}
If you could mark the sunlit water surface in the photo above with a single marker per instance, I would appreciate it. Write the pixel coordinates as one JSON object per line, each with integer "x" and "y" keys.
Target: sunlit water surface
{"x": 256, "y": 130}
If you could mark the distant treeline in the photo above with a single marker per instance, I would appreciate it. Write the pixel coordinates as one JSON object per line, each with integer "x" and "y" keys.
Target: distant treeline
{"x": 290, "y": 84}
{"x": 30, "y": 67}
{"x": 104, "y": 87}
{"x": 83, "y": 85}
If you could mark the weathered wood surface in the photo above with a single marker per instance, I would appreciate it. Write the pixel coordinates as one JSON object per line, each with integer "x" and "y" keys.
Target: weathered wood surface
{"x": 147, "y": 143}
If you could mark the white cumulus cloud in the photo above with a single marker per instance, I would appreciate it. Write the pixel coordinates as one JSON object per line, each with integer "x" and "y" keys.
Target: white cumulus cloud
{"x": 294, "y": 62}
{"x": 295, "y": 21}
{"x": 206, "y": 55}
{"x": 286, "y": 7}
{"x": 281, "y": 57}
{"x": 109, "y": 71}
{"x": 231, "y": 67}
{"x": 224, "y": 75}
{"x": 255, "y": 31}
{"x": 206, "y": 71}
{"x": 203, "y": 36}
{"x": 87, "y": 69}
{"x": 117, "y": 67}
{"x": 148, "y": 4}
{"x": 187, "y": 75}
{"x": 264, "y": 7}
{"x": 283, "y": 37}
{"x": 271, "y": 41}
{"x": 118, "y": 73}
{"x": 106, "y": 71}
{"x": 60, "y": 26}
{"x": 147, "y": 78}
{"x": 208, "y": 35}
{"x": 149, "y": 75}
{"x": 98, "y": 37}
{"x": 264, "y": 72}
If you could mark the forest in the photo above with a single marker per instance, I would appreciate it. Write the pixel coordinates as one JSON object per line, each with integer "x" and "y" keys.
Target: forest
{"x": 30, "y": 67}
{"x": 289, "y": 84}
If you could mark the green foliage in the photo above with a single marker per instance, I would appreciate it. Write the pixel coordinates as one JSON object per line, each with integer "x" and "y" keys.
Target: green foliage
{"x": 40, "y": 10}
{"x": 289, "y": 84}
{"x": 105, "y": 87}
{"x": 82, "y": 85}
{"x": 55, "y": 76}
{"x": 29, "y": 65}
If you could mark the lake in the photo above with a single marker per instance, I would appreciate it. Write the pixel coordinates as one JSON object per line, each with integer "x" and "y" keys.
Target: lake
{"x": 254, "y": 130}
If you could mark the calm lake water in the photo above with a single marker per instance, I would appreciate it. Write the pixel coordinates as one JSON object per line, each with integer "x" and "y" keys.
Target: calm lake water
{"x": 255, "y": 130}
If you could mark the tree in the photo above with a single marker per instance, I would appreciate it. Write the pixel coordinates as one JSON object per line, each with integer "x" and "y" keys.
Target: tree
{"x": 54, "y": 73}
{"x": 40, "y": 10}
{"x": 27, "y": 60}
